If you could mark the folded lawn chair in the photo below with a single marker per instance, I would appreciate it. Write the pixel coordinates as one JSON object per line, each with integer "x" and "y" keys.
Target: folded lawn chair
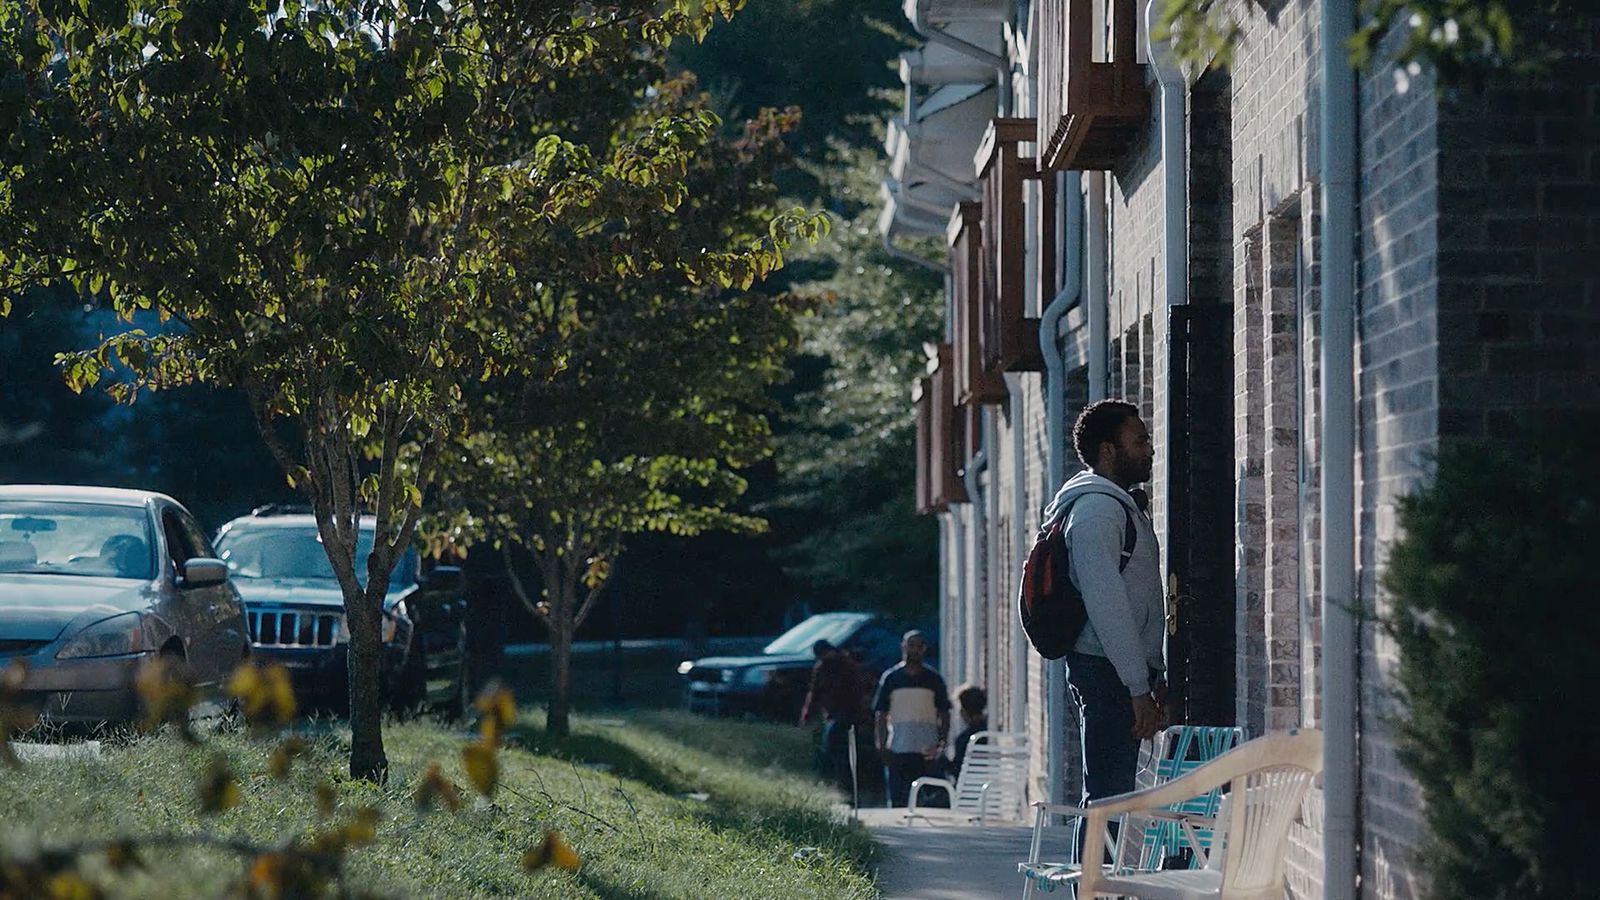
{"x": 1175, "y": 751}
{"x": 1265, "y": 781}
{"x": 990, "y": 785}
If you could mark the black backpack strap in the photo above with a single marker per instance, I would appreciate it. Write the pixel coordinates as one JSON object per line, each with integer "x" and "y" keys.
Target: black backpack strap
{"x": 1130, "y": 536}
{"x": 1130, "y": 531}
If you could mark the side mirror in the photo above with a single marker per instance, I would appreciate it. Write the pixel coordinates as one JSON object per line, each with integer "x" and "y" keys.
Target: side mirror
{"x": 203, "y": 571}
{"x": 449, "y": 579}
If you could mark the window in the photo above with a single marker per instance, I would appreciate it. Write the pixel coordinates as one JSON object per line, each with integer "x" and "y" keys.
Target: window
{"x": 45, "y": 538}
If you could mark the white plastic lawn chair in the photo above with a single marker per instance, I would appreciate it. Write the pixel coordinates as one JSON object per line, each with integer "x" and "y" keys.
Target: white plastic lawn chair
{"x": 991, "y": 784}
{"x": 1266, "y": 780}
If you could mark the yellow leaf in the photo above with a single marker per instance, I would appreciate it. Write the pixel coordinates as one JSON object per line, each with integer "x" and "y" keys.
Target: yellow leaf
{"x": 552, "y": 851}
{"x": 482, "y": 767}
{"x": 434, "y": 787}
{"x": 327, "y": 799}
{"x": 283, "y": 756}
{"x": 498, "y": 711}
{"x": 72, "y": 886}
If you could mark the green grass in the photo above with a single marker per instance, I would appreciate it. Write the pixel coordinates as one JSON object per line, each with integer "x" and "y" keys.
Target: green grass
{"x": 638, "y": 832}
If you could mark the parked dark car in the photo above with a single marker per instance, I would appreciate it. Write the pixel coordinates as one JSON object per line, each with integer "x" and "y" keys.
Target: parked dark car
{"x": 93, "y": 582}
{"x": 296, "y": 615}
{"x": 773, "y": 684}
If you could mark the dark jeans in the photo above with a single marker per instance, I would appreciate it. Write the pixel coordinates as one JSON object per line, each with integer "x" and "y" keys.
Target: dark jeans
{"x": 833, "y": 754}
{"x": 900, "y": 771}
{"x": 1110, "y": 751}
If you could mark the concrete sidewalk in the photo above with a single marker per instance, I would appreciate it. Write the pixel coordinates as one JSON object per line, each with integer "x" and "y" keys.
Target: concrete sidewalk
{"x": 946, "y": 862}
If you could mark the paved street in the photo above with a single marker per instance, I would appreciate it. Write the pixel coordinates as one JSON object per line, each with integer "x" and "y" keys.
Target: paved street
{"x": 923, "y": 862}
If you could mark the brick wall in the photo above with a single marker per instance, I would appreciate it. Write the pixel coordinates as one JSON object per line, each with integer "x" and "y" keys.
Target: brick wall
{"x": 1397, "y": 398}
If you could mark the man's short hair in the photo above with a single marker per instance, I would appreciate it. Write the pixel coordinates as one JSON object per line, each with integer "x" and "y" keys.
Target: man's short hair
{"x": 972, "y": 699}
{"x": 1100, "y": 422}
{"x": 914, "y": 633}
{"x": 822, "y": 646}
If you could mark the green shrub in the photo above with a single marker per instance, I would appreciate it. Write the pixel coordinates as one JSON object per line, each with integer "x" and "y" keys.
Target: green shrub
{"x": 1497, "y": 615}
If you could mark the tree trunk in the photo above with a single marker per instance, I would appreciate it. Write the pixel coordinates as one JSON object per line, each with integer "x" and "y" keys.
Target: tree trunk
{"x": 558, "y": 721}
{"x": 367, "y": 759}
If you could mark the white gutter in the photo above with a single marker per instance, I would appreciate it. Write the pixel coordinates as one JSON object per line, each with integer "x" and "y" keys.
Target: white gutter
{"x": 1055, "y": 678}
{"x": 1341, "y": 779}
{"x": 936, "y": 35}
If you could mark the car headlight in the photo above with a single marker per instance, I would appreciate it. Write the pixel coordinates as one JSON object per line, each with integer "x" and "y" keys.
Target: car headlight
{"x": 685, "y": 666}
{"x": 756, "y": 676}
{"x": 116, "y": 636}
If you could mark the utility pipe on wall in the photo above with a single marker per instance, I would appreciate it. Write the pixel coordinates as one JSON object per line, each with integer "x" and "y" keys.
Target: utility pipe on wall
{"x": 1055, "y": 681}
{"x": 1020, "y": 521}
{"x": 1174, "y": 201}
{"x": 1341, "y": 779}
{"x": 1095, "y": 284}
{"x": 974, "y": 552}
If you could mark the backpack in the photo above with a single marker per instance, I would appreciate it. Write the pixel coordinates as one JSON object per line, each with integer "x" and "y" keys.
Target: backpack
{"x": 1051, "y": 606}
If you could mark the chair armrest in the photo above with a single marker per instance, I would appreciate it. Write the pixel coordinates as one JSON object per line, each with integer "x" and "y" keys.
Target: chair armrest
{"x": 1059, "y": 809}
{"x": 1191, "y": 784}
{"x": 928, "y": 781}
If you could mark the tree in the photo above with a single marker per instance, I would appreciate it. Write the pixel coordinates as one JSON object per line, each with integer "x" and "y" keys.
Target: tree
{"x": 657, "y": 404}
{"x": 847, "y": 507}
{"x": 348, "y": 208}
{"x": 1461, "y": 39}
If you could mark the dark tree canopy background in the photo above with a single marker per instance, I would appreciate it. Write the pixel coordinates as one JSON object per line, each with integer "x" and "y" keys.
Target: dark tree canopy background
{"x": 838, "y": 494}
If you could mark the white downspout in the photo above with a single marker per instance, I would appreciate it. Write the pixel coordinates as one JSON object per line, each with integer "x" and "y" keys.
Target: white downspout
{"x": 945, "y": 562}
{"x": 1341, "y": 779}
{"x": 1020, "y": 521}
{"x": 1174, "y": 203}
{"x": 1095, "y": 282}
{"x": 977, "y": 538}
{"x": 1055, "y": 680}
{"x": 954, "y": 636}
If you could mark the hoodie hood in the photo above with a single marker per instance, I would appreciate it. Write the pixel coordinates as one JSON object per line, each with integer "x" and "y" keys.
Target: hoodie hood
{"x": 1085, "y": 482}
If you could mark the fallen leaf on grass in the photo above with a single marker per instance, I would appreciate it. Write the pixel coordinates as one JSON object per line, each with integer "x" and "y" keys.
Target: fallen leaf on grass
{"x": 552, "y": 851}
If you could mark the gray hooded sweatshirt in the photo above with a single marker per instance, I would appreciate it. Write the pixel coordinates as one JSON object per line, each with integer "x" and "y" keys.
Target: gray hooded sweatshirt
{"x": 1127, "y": 609}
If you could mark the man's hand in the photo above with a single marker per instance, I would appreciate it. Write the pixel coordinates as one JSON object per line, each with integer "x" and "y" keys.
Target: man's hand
{"x": 1146, "y": 717}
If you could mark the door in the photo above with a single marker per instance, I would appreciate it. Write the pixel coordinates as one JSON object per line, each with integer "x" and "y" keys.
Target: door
{"x": 210, "y": 621}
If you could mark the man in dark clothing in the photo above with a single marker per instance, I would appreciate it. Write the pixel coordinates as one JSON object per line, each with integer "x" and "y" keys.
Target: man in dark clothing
{"x": 912, "y": 719}
{"x": 839, "y": 693}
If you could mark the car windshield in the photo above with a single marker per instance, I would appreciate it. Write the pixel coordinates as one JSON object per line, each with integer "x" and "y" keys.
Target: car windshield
{"x": 44, "y": 538}
{"x": 833, "y": 629}
{"x": 296, "y": 553}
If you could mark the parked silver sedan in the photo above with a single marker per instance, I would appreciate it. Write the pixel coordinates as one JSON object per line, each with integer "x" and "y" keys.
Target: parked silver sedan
{"x": 93, "y": 581}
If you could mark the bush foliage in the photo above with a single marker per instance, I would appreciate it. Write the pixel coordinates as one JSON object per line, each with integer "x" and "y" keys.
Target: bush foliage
{"x": 1496, "y": 619}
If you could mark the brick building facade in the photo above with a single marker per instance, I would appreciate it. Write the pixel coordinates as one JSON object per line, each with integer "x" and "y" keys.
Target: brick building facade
{"x": 1475, "y": 302}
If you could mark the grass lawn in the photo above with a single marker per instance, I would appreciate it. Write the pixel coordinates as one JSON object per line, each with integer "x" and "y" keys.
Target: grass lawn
{"x": 639, "y": 833}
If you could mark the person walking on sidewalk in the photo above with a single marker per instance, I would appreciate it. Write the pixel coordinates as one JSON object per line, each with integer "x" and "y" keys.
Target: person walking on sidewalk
{"x": 1117, "y": 666}
{"x": 911, "y": 721}
{"x": 839, "y": 694}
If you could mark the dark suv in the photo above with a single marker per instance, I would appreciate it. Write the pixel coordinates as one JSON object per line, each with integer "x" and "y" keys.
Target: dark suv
{"x": 295, "y": 612}
{"x": 773, "y": 684}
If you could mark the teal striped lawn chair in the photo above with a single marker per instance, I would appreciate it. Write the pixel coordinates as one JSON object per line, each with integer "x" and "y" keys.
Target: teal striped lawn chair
{"x": 1175, "y": 751}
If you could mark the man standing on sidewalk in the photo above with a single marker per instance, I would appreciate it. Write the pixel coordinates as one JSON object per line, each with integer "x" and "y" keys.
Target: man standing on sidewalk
{"x": 912, "y": 719}
{"x": 1117, "y": 666}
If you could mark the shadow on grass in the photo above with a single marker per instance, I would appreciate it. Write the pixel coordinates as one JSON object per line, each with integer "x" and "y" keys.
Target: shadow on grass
{"x": 739, "y": 802}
